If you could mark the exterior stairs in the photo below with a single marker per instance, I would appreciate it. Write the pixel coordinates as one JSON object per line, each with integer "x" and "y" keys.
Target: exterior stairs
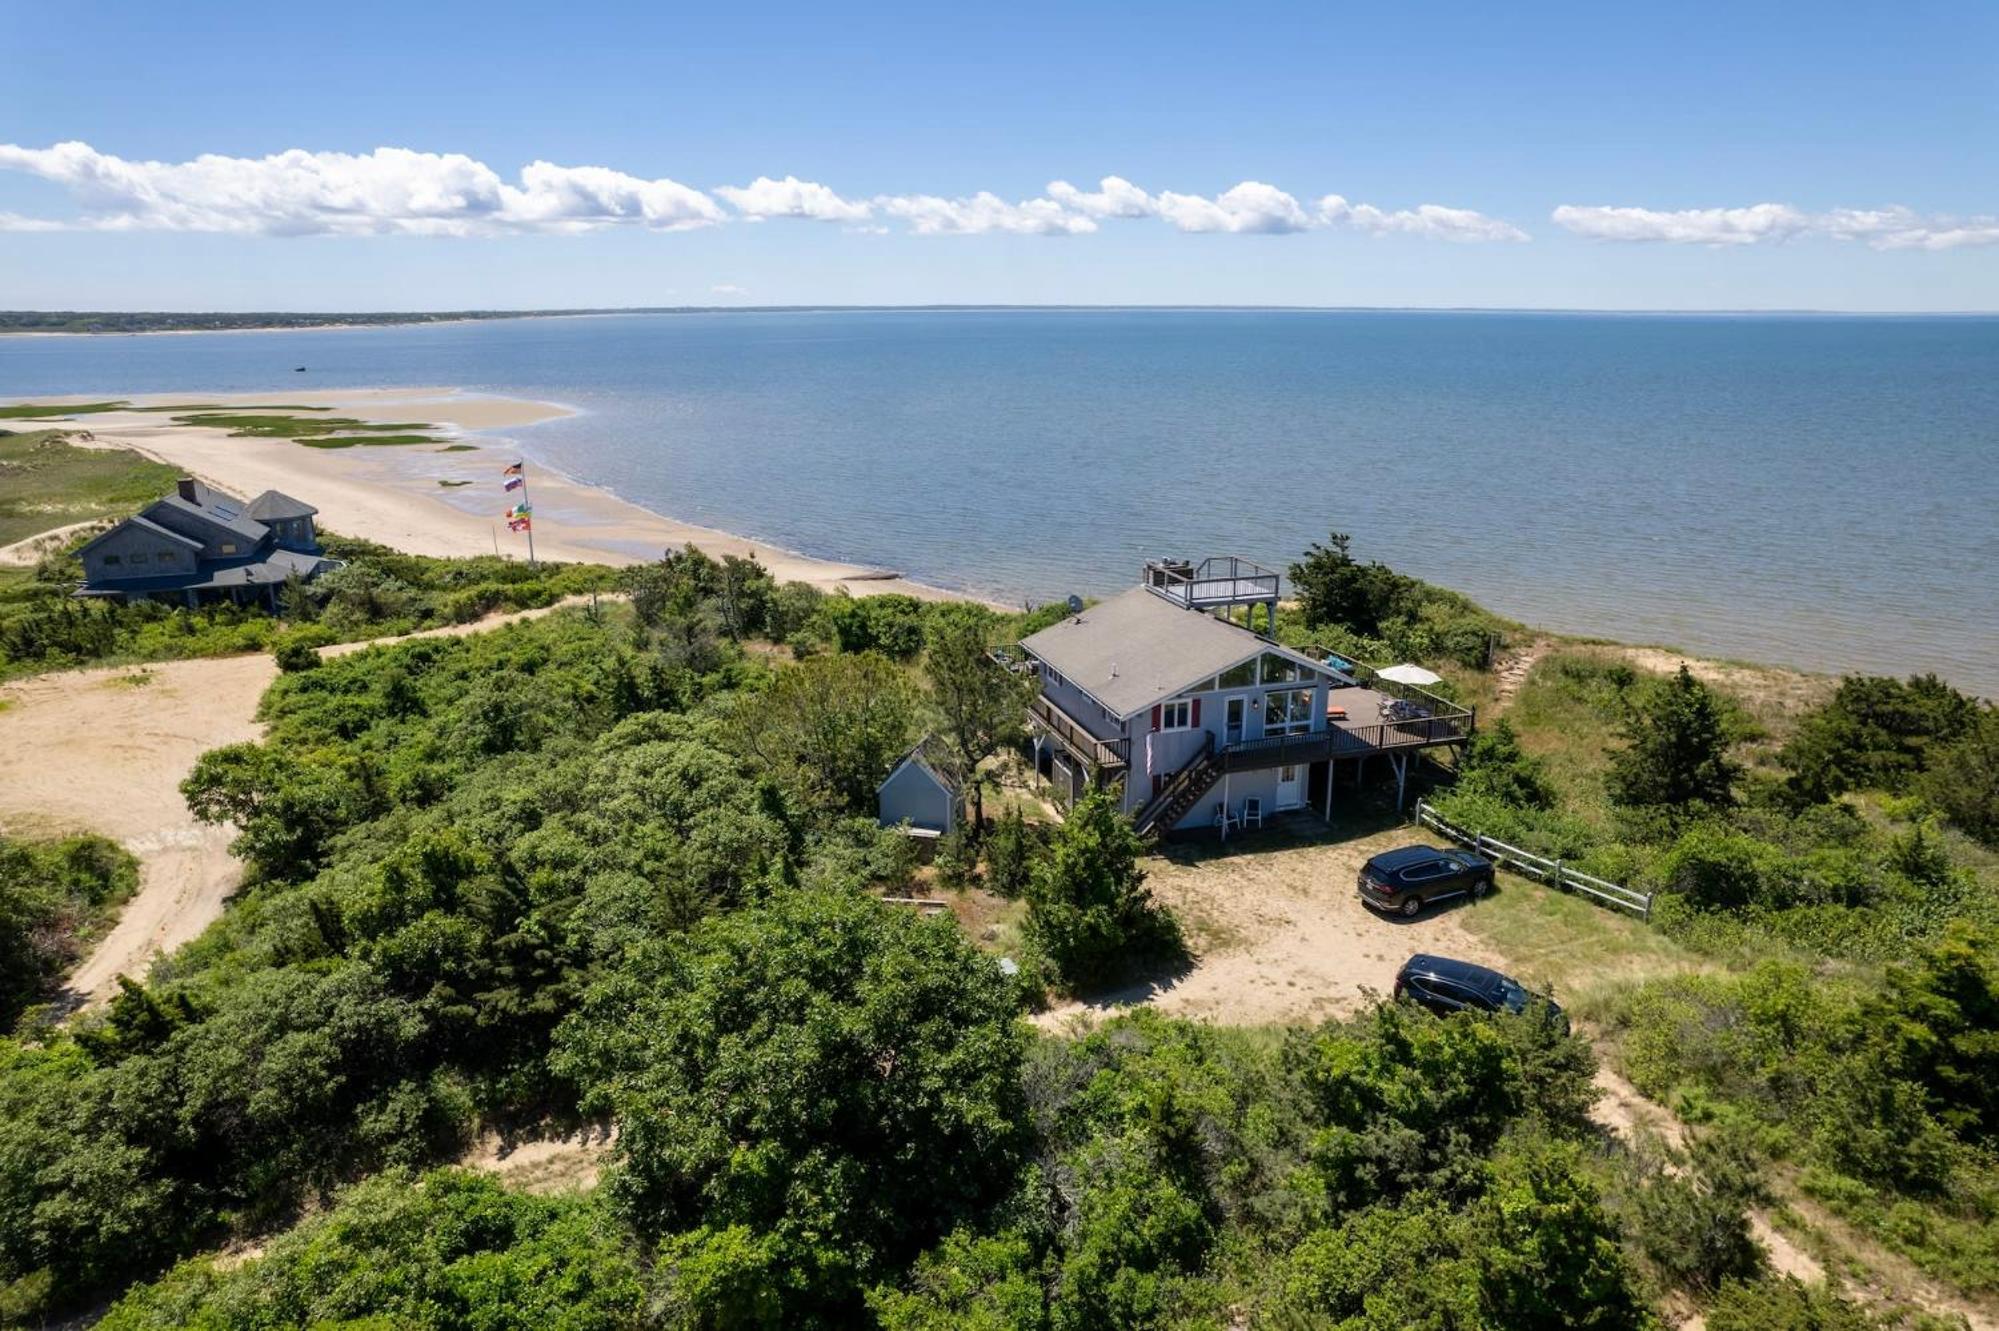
{"x": 1179, "y": 796}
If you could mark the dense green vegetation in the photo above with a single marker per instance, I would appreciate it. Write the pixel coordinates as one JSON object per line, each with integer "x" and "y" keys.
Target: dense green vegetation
{"x": 53, "y": 896}
{"x": 46, "y": 483}
{"x": 618, "y": 866}
{"x": 380, "y": 592}
{"x": 1372, "y": 613}
{"x": 1857, "y": 933}
{"x": 122, "y": 321}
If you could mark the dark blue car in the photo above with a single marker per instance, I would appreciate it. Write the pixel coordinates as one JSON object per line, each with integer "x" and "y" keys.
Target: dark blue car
{"x": 1406, "y": 880}
{"x": 1445, "y": 985}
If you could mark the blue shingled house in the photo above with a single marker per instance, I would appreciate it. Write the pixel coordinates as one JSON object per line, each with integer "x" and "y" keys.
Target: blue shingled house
{"x": 200, "y": 545}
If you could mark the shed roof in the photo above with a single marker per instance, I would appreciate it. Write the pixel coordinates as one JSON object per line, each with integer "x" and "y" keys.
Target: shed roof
{"x": 1137, "y": 648}
{"x": 927, "y": 756}
{"x": 275, "y": 504}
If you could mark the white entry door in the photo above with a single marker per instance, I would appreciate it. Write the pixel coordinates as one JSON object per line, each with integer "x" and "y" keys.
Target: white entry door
{"x": 1290, "y": 788}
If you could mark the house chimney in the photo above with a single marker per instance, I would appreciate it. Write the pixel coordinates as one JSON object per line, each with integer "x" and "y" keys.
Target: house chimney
{"x": 186, "y": 487}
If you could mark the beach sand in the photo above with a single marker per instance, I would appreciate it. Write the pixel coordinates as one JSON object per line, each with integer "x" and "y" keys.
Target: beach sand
{"x": 394, "y": 495}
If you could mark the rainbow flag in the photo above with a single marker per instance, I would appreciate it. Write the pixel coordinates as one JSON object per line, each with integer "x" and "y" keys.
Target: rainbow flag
{"x": 514, "y": 470}
{"x": 519, "y": 511}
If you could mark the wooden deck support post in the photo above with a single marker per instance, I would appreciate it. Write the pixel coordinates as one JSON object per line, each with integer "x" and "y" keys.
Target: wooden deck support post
{"x": 1401, "y": 761}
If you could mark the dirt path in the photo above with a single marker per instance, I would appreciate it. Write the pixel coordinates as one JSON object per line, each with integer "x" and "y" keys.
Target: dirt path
{"x": 1511, "y": 671}
{"x": 1892, "y": 1283}
{"x": 30, "y": 551}
{"x": 1279, "y": 934}
{"x": 105, "y": 750}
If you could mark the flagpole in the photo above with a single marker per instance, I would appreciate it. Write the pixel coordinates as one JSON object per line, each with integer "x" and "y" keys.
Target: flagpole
{"x": 530, "y": 508}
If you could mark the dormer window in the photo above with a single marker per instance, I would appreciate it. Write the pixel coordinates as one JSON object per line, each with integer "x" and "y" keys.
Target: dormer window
{"x": 229, "y": 547}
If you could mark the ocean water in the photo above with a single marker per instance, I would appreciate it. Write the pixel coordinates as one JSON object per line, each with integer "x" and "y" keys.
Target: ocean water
{"x": 1817, "y": 491}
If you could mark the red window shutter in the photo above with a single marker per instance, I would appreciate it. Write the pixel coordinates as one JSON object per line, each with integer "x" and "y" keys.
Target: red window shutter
{"x": 1155, "y": 716}
{"x": 1196, "y": 721}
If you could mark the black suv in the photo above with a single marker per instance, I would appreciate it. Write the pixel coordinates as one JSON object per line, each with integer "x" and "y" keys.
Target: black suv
{"x": 1445, "y": 986}
{"x": 1408, "y": 879}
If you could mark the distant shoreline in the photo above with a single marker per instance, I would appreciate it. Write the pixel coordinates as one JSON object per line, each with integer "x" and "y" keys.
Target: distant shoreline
{"x": 35, "y": 323}
{"x": 397, "y": 496}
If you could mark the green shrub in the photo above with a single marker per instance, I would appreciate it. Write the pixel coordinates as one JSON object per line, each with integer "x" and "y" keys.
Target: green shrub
{"x": 1088, "y": 910}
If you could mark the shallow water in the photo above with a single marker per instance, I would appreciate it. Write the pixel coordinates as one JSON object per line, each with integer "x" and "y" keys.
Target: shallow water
{"x": 1817, "y": 491}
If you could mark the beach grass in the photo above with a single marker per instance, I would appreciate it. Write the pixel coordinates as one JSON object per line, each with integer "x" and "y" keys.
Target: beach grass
{"x": 313, "y": 432}
{"x": 33, "y": 411}
{"x": 459, "y": 448}
{"x": 364, "y": 440}
{"x": 46, "y": 483}
{"x": 453, "y": 485}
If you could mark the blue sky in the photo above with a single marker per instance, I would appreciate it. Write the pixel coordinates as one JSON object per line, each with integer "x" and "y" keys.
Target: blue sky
{"x": 1686, "y": 156}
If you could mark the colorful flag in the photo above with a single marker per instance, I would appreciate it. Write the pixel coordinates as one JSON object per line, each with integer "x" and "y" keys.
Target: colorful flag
{"x": 519, "y": 511}
{"x": 515, "y": 482}
{"x": 514, "y": 470}
{"x": 517, "y": 524}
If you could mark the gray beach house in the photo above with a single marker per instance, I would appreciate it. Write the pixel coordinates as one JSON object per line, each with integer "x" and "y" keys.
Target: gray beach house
{"x": 200, "y": 545}
{"x": 1200, "y": 720}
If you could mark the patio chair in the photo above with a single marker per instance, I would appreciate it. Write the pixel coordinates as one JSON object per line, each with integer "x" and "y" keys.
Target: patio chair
{"x": 1224, "y": 820}
{"x": 1252, "y": 812}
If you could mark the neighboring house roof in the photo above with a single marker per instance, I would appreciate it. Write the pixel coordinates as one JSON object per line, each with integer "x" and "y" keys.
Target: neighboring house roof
{"x": 220, "y": 513}
{"x": 271, "y": 570}
{"x": 150, "y": 528}
{"x": 273, "y": 505}
{"x": 1138, "y": 648}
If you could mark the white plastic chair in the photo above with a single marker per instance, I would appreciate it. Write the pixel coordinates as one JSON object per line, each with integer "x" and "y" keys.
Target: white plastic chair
{"x": 1224, "y": 819}
{"x": 1252, "y": 812}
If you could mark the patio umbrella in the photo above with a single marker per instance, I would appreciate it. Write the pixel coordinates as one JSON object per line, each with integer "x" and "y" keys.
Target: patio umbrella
{"x": 1411, "y": 674}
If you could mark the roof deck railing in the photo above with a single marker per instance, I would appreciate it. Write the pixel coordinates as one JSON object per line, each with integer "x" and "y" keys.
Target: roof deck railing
{"x": 1220, "y": 580}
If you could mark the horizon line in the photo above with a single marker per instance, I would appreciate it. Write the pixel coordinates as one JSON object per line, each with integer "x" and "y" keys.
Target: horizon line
{"x": 550, "y": 312}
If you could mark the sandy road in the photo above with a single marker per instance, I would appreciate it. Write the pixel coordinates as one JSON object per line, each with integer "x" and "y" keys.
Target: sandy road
{"x": 105, "y": 751}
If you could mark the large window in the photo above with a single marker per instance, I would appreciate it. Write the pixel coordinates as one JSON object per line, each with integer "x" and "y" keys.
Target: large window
{"x": 1176, "y": 715}
{"x": 1279, "y": 669}
{"x": 1239, "y": 677}
{"x": 1287, "y": 711}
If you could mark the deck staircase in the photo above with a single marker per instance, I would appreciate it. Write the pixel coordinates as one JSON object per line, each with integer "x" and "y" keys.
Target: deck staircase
{"x": 1178, "y": 797}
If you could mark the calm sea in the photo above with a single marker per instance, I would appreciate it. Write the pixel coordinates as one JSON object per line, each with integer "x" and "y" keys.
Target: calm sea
{"x": 1820, "y": 491}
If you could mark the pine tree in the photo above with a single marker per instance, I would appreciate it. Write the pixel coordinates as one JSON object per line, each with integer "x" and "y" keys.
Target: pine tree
{"x": 1676, "y": 754}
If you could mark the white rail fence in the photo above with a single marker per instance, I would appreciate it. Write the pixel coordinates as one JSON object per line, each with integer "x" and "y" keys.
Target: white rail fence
{"x": 1552, "y": 872}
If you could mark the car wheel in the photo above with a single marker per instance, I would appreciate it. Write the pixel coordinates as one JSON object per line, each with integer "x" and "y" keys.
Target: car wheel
{"x": 1412, "y": 908}
{"x": 1480, "y": 888}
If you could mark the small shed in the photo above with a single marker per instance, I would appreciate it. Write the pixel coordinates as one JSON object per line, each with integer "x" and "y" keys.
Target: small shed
{"x": 920, "y": 794}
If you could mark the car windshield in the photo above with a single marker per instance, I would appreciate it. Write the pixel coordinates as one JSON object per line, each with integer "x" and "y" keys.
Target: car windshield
{"x": 1513, "y": 996}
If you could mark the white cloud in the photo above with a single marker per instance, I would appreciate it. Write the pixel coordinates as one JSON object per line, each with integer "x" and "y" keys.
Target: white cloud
{"x": 1432, "y": 221}
{"x": 388, "y": 191}
{"x": 1689, "y": 226}
{"x": 929, "y": 215}
{"x": 1115, "y": 197}
{"x": 792, "y": 197}
{"x": 1252, "y": 207}
{"x": 1895, "y": 228}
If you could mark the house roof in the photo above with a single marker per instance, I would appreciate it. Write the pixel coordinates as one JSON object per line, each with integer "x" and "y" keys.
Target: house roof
{"x": 927, "y": 755}
{"x": 274, "y": 504}
{"x": 143, "y": 524}
{"x": 271, "y": 570}
{"x": 221, "y": 512}
{"x": 1137, "y": 648}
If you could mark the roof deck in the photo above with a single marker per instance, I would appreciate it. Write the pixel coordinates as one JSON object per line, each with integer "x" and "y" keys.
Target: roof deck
{"x": 1213, "y": 584}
